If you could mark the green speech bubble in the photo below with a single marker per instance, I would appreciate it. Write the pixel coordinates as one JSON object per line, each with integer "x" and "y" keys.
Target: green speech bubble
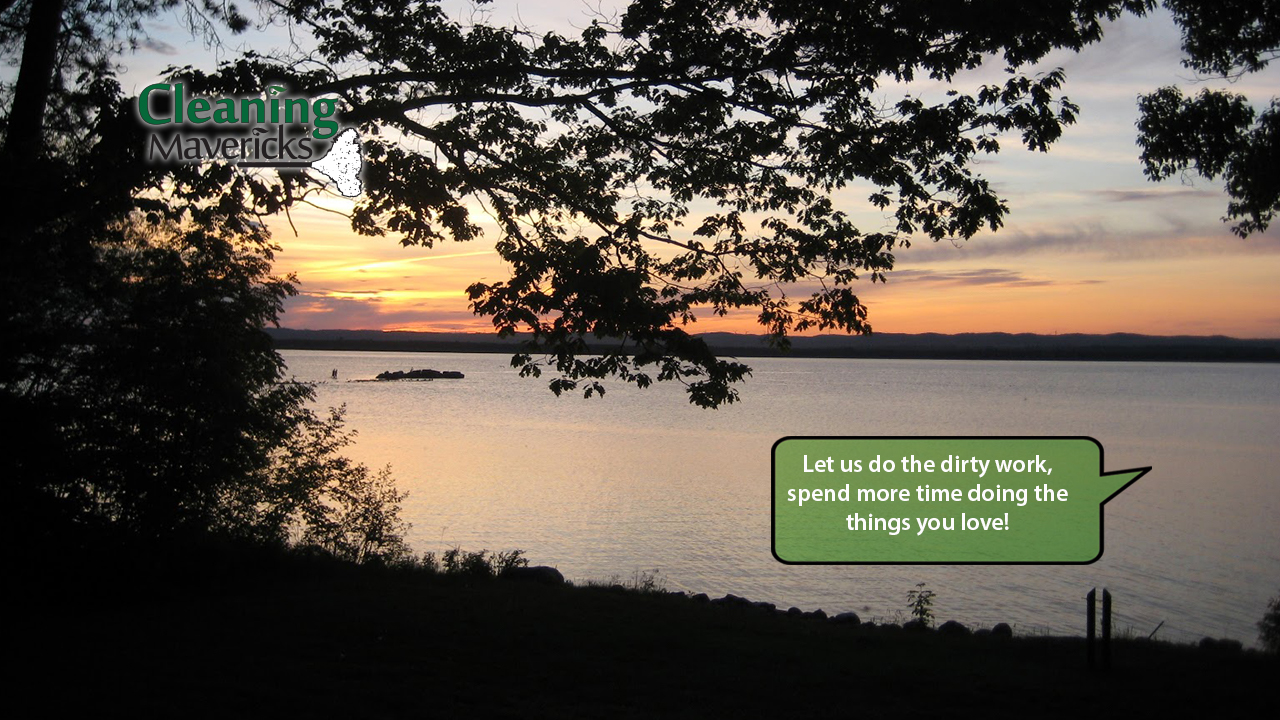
{"x": 981, "y": 500}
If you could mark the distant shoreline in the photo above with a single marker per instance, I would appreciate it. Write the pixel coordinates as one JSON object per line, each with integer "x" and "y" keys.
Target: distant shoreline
{"x": 1119, "y": 347}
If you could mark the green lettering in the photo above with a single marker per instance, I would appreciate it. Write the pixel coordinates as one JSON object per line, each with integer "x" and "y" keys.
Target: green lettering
{"x": 225, "y": 112}
{"x": 253, "y": 108}
{"x": 321, "y": 110}
{"x": 144, "y": 105}
{"x": 196, "y": 111}
{"x": 300, "y": 104}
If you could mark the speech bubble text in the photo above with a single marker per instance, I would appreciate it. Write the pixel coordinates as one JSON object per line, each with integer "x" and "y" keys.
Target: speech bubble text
{"x": 941, "y": 500}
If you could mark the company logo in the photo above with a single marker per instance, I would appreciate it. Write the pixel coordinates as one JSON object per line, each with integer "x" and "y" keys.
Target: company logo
{"x": 273, "y": 130}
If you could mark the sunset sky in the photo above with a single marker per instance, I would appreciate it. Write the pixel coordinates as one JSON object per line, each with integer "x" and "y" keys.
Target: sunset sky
{"x": 1090, "y": 246}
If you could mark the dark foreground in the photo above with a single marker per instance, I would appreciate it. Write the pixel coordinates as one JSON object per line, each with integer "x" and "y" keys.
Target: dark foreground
{"x": 370, "y": 644}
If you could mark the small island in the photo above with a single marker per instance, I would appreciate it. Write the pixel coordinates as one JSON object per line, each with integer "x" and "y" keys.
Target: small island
{"x": 420, "y": 375}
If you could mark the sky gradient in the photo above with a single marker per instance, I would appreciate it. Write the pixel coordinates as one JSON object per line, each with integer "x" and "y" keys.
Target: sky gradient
{"x": 1089, "y": 246}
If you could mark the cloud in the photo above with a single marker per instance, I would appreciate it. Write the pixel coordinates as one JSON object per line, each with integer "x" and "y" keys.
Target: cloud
{"x": 1147, "y": 195}
{"x": 159, "y": 46}
{"x": 1008, "y": 243}
{"x": 998, "y": 277}
{"x": 315, "y": 311}
{"x": 1093, "y": 239}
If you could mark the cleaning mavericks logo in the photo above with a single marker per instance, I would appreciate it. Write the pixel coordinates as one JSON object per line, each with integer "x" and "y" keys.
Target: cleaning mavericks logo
{"x": 275, "y": 130}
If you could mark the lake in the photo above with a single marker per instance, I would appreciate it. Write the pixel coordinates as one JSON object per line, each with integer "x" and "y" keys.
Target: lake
{"x": 637, "y": 480}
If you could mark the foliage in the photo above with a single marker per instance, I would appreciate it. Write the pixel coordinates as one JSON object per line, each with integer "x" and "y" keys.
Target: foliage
{"x": 1269, "y": 627}
{"x": 508, "y": 560}
{"x": 456, "y": 561}
{"x": 481, "y": 563}
{"x": 151, "y": 405}
{"x": 648, "y": 581}
{"x": 682, "y": 158}
{"x": 339, "y": 504}
{"x": 685, "y": 158}
{"x": 920, "y": 601}
{"x": 1216, "y": 133}
{"x": 641, "y": 581}
{"x": 76, "y": 43}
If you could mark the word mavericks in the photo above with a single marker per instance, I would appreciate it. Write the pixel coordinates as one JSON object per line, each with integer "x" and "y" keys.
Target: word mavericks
{"x": 271, "y": 131}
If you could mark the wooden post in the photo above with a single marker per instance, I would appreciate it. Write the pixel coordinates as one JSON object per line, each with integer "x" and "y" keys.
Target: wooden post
{"x": 1090, "y": 613}
{"x": 1106, "y": 630}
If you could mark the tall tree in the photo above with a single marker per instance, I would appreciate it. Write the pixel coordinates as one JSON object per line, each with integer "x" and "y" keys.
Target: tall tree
{"x": 147, "y": 399}
{"x": 35, "y": 78}
{"x": 681, "y": 158}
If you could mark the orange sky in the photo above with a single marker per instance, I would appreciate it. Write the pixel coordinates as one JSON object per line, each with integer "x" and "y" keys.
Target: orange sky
{"x": 1161, "y": 265}
{"x": 1091, "y": 245}
{"x": 1164, "y": 285}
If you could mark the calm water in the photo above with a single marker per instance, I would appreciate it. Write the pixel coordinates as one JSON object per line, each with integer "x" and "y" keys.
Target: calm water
{"x": 641, "y": 480}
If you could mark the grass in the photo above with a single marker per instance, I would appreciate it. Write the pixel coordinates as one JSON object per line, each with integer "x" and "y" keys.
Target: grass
{"x": 330, "y": 640}
{"x": 641, "y": 581}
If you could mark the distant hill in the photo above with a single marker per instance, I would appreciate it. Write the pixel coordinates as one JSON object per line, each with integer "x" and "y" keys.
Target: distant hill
{"x": 964, "y": 346}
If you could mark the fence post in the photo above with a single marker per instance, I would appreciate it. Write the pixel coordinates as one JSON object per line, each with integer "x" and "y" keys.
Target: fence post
{"x": 1106, "y": 630}
{"x": 1090, "y": 612}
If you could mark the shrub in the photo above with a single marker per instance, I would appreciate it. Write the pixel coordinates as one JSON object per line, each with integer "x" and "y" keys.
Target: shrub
{"x": 502, "y": 561}
{"x": 480, "y": 563}
{"x": 429, "y": 562}
{"x": 920, "y": 601}
{"x": 648, "y": 581}
{"x": 1269, "y": 627}
{"x": 323, "y": 498}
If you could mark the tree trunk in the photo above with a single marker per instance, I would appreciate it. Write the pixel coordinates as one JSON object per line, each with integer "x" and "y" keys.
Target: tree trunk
{"x": 24, "y": 139}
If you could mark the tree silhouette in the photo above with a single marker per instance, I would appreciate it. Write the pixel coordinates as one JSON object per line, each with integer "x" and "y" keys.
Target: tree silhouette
{"x": 144, "y": 397}
{"x": 61, "y": 44}
{"x": 1218, "y": 133}
{"x": 1269, "y": 627}
{"x": 680, "y": 158}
